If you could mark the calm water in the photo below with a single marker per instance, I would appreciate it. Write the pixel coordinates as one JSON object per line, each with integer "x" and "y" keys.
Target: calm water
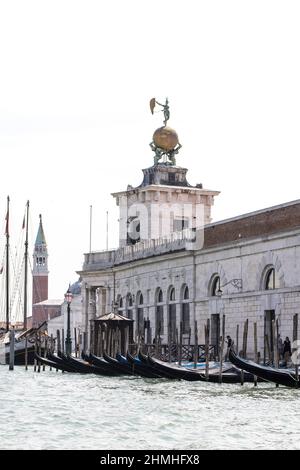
{"x": 59, "y": 411}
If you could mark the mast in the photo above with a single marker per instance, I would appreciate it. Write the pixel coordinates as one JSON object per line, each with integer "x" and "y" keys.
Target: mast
{"x": 91, "y": 214}
{"x": 26, "y": 268}
{"x": 7, "y": 265}
{"x": 106, "y": 230}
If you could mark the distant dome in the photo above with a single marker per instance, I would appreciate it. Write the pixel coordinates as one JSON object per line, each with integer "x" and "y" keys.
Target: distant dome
{"x": 165, "y": 138}
{"x": 75, "y": 288}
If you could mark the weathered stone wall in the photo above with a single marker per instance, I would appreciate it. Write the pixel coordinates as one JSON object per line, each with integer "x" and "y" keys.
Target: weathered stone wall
{"x": 242, "y": 248}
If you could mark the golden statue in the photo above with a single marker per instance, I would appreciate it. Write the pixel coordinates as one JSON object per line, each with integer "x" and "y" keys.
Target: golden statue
{"x": 165, "y": 140}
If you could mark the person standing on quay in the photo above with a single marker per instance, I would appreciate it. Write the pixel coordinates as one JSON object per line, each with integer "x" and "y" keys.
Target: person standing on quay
{"x": 280, "y": 347}
{"x": 229, "y": 345}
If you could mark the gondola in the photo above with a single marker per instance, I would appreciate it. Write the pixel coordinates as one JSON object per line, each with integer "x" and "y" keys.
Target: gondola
{"x": 169, "y": 370}
{"x": 58, "y": 360}
{"x": 139, "y": 367}
{"x": 146, "y": 362}
{"x": 85, "y": 367}
{"x": 54, "y": 365}
{"x": 100, "y": 363}
{"x": 62, "y": 360}
{"x": 229, "y": 376}
{"x": 269, "y": 374}
{"x": 124, "y": 368}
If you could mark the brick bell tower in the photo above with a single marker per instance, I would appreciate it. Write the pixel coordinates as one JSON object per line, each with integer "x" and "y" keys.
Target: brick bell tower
{"x": 40, "y": 267}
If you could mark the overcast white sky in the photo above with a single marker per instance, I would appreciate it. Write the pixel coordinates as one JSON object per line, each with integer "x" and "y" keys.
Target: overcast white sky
{"x": 76, "y": 78}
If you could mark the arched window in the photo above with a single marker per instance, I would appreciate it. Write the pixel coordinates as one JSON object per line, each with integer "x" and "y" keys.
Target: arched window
{"x": 271, "y": 280}
{"x": 159, "y": 310}
{"x": 185, "y": 310}
{"x": 140, "y": 314}
{"x": 172, "y": 294}
{"x": 172, "y": 314}
{"x": 120, "y": 304}
{"x": 215, "y": 286}
{"x": 129, "y": 306}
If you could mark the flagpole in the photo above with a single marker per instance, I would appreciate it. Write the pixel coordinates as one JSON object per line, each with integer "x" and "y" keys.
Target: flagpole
{"x": 91, "y": 213}
{"x": 106, "y": 230}
{"x": 7, "y": 265}
{"x": 26, "y": 268}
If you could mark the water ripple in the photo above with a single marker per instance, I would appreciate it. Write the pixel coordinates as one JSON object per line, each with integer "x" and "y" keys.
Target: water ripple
{"x": 63, "y": 411}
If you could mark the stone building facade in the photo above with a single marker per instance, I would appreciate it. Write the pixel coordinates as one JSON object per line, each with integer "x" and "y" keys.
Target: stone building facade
{"x": 247, "y": 267}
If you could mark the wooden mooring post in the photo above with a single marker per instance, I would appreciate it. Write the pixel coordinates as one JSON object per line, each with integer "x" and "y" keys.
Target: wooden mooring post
{"x": 222, "y": 339}
{"x": 156, "y": 340}
{"x": 245, "y": 337}
{"x": 40, "y": 351}
{"x": 99, "y": 342}
{"x": 75, "y": 342}
{"x": 169, "y": 341}
{"x": 275, "y": 360}
{"x": 58, "y": 344}
{"x": 295, "y": 341}
{"x": 51, "y": 346}
{"x": 268, "y": 348}
{"x": 272, "y": 342}
{"x": 26, "y": 353}
{"x": 180, "y": 344}
{"x": 207, "y": 332}
{"x": 189, "y": 340}
{"x": 45, "y": 350}
{"x": 11, "y": 349}
{"x": 92, "y": 338}
{"x": 275, "y": 344}
{"x": 63, "y": 341}
{"x": 237, "y": 338}
{"x": 35, "y": 351}
{"x": 85, "y": 342}
{"x": 255, "y": 349}
{"x": 196, "y": 345}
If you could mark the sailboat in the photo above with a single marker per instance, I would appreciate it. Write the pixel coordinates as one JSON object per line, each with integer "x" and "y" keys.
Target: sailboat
{"x": 24, "y": 342}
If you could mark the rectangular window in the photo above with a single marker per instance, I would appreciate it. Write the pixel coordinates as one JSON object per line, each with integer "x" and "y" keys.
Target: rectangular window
{"x": 180, "y": 224}
{"x": 171, "y": 177}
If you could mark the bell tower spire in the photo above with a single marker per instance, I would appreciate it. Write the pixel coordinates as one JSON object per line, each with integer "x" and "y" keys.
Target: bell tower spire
{"x": 40, "y": 266}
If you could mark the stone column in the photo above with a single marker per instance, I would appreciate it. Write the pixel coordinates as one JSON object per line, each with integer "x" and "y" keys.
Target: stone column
{"x": 178, "y": 316}
{"x": 151, "y": 314}
{"x": 85, "y": 303}
{"x": 91, "y": 311}
{"x": 109, "y": 299}
{"x": 103, "y": 301}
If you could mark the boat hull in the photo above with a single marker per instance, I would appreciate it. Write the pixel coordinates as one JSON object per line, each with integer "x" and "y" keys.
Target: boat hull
{"x": 269, "y": 374}
{"x": 20, "y": 356}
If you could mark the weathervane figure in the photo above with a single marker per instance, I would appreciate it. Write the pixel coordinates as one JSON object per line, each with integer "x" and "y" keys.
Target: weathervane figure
{"x": 165, "y": 110}
{"x": 165, "y": 142}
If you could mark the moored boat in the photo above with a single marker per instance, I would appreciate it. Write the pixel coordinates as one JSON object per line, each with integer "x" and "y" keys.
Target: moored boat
{"x": 55, "y": 365}
{"x": 100, "y": 363}
{"x": 170, "y": 370}
{"x": 231, "y": 375}
{"x": 83, "y": 366}
{"x": 122, "y": 367}
{"x": 139, "y": 367}
{"x": 269, "y": 374}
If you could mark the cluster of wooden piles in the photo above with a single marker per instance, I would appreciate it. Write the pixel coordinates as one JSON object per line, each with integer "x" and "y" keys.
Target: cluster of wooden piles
{"x": 110, "y": 357}
{"x": 110, "y": 340}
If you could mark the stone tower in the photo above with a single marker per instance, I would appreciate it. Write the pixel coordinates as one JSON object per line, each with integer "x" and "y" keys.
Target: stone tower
{"x": 40, "y": 267}
{"x": 165, "y": 202}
